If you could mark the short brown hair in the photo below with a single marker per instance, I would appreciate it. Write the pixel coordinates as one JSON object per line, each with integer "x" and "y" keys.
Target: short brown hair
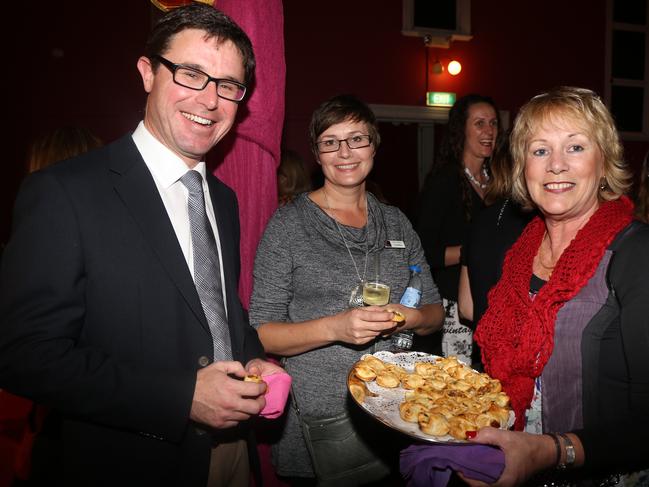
{"x": 586, "y": 108}
{"x": 339, "y": 109}
{"x": 202, "y": 17}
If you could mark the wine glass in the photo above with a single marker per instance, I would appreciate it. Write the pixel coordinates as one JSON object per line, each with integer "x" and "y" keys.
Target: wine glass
{"x": 375, "y": 292}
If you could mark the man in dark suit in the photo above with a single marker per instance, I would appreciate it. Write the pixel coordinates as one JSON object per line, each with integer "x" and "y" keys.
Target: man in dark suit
{"x": 114, "y": 311}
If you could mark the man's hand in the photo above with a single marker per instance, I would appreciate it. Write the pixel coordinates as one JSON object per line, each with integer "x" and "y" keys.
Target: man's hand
{"x": 221, "y": 399}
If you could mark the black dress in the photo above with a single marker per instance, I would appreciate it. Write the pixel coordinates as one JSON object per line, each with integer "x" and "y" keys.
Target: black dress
{"x": 492, "y": 232}
{"x": 444, "y": 221}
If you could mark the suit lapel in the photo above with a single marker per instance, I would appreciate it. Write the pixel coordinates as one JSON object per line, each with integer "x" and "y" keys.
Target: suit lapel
{"x": 135, "y": 186}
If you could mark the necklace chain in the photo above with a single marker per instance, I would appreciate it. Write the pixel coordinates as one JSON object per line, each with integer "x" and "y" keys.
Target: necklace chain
{"x": 502, "y": 210}
{"x": 547, "y": 267}
{"x": 360, "y": 279}
{"x": 472, "y": 178}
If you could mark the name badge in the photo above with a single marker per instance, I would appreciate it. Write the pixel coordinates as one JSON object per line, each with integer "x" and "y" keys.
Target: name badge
{"x": 394, "y": 244}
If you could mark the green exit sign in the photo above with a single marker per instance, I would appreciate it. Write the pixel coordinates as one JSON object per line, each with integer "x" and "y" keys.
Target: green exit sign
{"x": 440, "y": 99}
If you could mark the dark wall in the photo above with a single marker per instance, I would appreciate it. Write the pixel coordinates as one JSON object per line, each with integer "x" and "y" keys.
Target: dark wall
{"x": 517, "y": 51}
{"x": 76, "y": 61}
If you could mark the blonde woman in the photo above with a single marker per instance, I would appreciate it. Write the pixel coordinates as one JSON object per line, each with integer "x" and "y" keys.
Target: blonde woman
{"x": 566, "y": 327}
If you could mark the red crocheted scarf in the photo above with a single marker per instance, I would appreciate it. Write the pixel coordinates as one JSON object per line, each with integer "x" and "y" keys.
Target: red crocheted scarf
{"x": 516, "y": 334}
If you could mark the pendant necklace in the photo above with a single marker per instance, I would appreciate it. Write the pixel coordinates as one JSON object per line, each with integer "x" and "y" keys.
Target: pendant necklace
{"x": 356, "y": 296}
{"x": 474, "y": 180}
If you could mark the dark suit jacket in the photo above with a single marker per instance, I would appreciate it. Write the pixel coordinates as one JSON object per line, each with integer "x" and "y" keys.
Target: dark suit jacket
{"x": 101, "y": 319}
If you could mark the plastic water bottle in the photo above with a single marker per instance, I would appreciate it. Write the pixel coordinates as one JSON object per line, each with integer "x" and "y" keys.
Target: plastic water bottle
{"x": 402, "y": 340}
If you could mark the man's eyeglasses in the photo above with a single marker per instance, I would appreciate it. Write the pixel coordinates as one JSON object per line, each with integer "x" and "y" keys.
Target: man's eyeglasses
{"x": 196, "y": 79}
{"x": 353, "y": 142}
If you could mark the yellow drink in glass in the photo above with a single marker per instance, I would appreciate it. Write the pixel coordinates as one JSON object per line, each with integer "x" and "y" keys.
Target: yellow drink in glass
{"x": 376, "y": 293}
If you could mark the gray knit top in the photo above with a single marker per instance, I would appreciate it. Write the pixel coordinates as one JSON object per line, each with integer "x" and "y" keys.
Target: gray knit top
{"x": 302, "y": 272}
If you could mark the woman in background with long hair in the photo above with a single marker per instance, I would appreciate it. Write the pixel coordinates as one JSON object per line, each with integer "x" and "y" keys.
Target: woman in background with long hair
{"x": 452, "y": 194}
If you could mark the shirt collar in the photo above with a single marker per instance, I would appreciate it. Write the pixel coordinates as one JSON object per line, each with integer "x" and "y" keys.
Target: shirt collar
{"x": 165, "y": 166}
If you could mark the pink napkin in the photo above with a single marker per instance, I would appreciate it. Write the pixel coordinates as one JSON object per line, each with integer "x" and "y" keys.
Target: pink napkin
{"x": 278, "y": 387}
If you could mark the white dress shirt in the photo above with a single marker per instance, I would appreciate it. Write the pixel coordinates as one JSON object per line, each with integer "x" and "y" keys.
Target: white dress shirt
{"x": 167, "y": 169}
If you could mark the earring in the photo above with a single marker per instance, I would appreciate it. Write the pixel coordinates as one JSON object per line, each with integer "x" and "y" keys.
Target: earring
{"x": 602, "y": 184}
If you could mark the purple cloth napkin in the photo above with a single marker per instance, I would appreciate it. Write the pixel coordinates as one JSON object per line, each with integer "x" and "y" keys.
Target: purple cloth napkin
{"x": 431, "y": 464}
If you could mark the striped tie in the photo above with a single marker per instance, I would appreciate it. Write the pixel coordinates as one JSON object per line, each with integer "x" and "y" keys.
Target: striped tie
{"x": 207, "y": 274}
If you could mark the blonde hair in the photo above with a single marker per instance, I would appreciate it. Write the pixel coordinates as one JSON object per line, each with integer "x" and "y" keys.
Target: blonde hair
{"x": 584, "y": 107}
{"x": 62, "y": 143}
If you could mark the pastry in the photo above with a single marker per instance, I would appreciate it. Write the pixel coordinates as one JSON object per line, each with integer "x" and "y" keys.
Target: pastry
{"x": 253, "y": 378}
{"x": 445, "y": 397}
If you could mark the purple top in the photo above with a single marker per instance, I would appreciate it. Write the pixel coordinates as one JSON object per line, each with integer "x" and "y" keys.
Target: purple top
{"x": 561, "y": 378}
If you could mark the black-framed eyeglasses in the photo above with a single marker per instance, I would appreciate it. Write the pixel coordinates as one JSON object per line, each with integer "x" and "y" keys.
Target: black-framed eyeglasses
{"x": 353, "y": 142}
{"x": 195, "y": 79}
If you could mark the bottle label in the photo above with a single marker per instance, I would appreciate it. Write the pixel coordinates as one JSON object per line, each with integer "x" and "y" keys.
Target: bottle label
{"x": 411, "y": 297}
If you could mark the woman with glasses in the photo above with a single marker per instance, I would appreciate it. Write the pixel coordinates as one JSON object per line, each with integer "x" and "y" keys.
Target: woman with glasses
{"x": 307, "y": 300}
{"x": 451, "y": 196}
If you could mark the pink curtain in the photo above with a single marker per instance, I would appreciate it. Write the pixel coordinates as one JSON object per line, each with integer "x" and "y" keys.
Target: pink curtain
{"x": 249, "y": 167}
